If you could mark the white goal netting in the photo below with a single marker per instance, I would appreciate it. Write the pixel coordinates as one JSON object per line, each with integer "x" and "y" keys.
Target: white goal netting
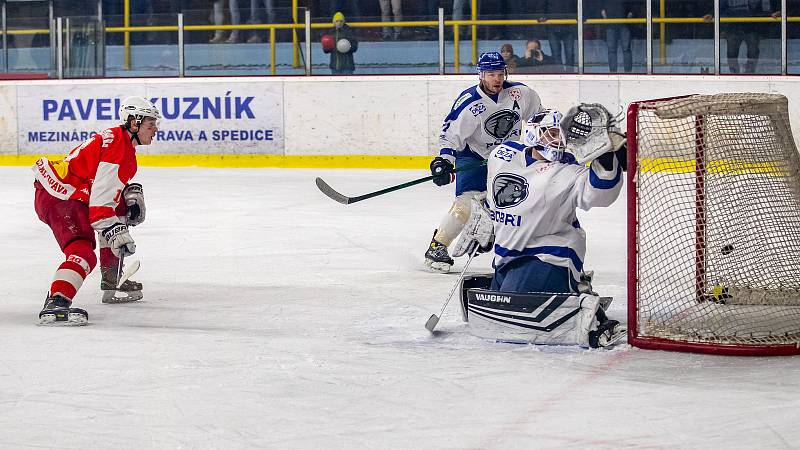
{"x": 717, "y": 221}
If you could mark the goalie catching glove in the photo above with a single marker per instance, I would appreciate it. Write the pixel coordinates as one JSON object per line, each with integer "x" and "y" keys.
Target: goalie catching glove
{"x": 590, "y": 132}
{"x": 119, "y": 239}
{"x": 134, "y": 203}
{"x": 478, "y": 232}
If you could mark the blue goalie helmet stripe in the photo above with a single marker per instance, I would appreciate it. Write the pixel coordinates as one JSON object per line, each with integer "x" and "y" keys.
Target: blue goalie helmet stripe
{"x": 491, "y": 61}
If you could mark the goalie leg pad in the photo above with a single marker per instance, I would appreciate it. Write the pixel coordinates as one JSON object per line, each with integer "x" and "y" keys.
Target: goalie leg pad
{"x": 478, "y": 231}
{"x": 479, "y": 281}
{"x": 536, "y": 318}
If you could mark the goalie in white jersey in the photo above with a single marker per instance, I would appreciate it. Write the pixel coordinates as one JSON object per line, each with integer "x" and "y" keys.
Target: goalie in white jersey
{"x": 534, "y": 189}
{"x": 481, "y": 118}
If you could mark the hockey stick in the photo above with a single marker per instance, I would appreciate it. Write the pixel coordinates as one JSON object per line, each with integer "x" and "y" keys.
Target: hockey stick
{"x": 128, "y": 273}
{"x": 119, "y": 268}
{"x": 123, "y": 277}
{"x": 345, "y": 200}
{"x": 434, "y": 319}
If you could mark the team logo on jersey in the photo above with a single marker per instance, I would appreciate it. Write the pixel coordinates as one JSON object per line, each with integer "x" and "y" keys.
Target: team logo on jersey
{"x": 515, "y": 94}
{"x": 499, "y": 124}
{"x": 509, "y": 190}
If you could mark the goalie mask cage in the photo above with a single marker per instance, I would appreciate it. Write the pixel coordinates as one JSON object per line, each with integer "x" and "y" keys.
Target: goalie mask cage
{"x": 714, "y": 225}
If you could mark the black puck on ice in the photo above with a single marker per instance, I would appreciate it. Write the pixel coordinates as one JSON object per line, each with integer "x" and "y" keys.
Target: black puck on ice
{"x": 727, "y": 249}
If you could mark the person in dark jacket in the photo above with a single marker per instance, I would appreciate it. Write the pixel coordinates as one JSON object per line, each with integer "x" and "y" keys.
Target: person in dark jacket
{"x": 749, "y": 33}
{"x": 559, "y": 36}
{"x": 618, "y": 35}
{"x": 535, "y": 60}
{"x": 345, "y": 45}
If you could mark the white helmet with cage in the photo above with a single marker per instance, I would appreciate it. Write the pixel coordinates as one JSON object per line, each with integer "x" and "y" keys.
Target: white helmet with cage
{"x": 139, "y": 108}
{"x": 543, "y": 133}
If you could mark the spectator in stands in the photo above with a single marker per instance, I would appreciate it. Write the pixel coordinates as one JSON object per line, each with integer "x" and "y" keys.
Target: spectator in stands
{"x": 255, "y": 17}
{"x": 561, "y": 36}
{"x": 618, "y": 34}
{"x": 749, "y": 33}
{"x": 458, "y": 13}
{"x": 430, "y": 11}
{"x": 344, "y": 45}
{"x": 536, "y": 60}
{"x": 507, "y": 52}
{"x": 387, "y": 8}
{"x": 219, "y": 19}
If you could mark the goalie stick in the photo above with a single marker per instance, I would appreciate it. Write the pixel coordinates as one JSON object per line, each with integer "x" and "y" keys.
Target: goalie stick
{"x": 345, "y": 200}
{"x": 433, "y": 320}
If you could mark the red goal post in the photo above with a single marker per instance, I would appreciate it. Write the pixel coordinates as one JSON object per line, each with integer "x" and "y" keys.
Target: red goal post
{"x": 713, "y": 225}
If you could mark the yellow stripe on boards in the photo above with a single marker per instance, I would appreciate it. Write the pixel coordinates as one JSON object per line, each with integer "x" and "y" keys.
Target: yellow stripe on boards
{"x": 257, "y": 161}
{"x": 722, "y": 166}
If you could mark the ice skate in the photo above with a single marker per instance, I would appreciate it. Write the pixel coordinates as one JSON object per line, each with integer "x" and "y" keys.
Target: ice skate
{"x": 436, "y": 257}
{"x": 607, "y": 334}
{"x": 57, "y": 311}
{"x": 128, "y": 291}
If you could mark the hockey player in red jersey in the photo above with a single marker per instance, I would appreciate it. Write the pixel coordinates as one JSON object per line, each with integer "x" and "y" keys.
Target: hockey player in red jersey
{"x": 88, "y": 192}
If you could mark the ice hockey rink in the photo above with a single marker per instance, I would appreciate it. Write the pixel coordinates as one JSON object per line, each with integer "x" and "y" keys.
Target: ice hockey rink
{"x": 274, "y": 317}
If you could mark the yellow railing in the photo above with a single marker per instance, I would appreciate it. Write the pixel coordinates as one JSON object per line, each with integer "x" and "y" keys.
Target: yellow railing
{"x": 455, "y": 24}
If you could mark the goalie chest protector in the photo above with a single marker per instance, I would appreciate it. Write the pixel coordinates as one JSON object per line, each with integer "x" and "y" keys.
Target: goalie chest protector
{"x": 536, "y": 318}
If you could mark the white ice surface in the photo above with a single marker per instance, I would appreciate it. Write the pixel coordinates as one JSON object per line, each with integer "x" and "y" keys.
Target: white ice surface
{"x": 276, "y": 318}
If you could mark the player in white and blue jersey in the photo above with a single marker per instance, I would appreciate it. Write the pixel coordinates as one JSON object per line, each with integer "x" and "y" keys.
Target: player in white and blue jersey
{"x": 482, "y": 117}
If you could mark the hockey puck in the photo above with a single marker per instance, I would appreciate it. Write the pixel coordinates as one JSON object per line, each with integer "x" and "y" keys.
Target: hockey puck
{"x": 727, "y": 249}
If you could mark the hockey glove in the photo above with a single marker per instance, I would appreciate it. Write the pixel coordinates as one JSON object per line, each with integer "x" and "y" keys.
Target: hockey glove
{"x": 134, "y": 202}
{"x": 442, "y": 171}
{"x": 590, "y": 132}
{"x": 119, "y": 240}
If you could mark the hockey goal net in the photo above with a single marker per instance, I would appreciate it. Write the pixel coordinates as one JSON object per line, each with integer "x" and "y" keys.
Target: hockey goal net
{"x": 714, "y": 225}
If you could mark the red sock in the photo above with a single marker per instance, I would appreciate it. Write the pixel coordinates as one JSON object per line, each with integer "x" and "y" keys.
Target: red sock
{"x": 71, "y": 273}
{"x": 107, "y": 259}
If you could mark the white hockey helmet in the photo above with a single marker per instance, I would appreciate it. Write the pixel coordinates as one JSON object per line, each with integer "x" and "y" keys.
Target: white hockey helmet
{"x": 139, "y": 108}
{"x": 543, "y": 133}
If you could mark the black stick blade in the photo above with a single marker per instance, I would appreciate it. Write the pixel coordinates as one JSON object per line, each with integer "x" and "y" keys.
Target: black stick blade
{"x": 433, "y": 320}
{"x": 330, "y": 192}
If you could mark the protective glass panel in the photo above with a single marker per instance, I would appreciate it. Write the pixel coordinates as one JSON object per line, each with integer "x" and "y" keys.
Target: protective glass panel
{"x": 683, "y": 36}
{"x": 615, "y": 37}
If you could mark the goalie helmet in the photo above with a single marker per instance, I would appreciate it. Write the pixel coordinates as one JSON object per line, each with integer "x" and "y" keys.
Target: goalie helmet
{"x": 139, "y": 108}
{"x": 543, "y": 133}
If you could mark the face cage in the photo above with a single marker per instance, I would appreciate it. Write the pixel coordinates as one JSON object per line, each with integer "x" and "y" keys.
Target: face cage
{"x": 549, "y": 151}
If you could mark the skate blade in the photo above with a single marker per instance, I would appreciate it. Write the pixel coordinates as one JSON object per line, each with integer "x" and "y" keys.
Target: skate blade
{"x": 112, "y": 296}
{"x": 63, "y": 320}
{"x": 437, "y": 267}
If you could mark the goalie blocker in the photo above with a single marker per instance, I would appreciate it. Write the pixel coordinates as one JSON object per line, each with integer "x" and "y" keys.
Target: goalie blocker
{"x": 536, "y": 318}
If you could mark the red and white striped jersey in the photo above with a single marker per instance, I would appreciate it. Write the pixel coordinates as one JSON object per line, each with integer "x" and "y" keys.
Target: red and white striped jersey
{"x": 95, "y": 172}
